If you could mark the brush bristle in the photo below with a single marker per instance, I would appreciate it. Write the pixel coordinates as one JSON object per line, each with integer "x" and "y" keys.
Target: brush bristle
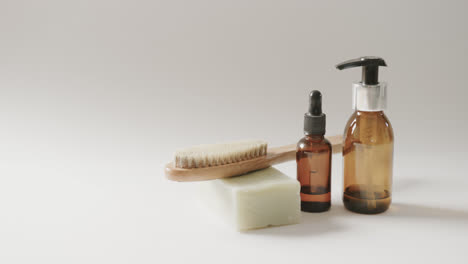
{"x": 219, "y": 154}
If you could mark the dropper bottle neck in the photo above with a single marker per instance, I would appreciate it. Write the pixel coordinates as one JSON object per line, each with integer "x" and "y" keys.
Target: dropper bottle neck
{"x": 315, "y": 138}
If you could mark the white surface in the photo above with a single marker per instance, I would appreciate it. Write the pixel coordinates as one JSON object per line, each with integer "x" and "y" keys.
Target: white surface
{"x": 124, "y": 211}
{"x": 256, "y": 200}
{"x": 95, "y": 96}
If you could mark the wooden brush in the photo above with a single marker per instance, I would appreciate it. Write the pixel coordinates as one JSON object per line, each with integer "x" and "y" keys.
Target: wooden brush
{"x": 209, "y": 162}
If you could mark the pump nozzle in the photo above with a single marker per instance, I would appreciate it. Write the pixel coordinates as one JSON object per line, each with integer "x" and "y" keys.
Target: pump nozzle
{"x": 370, "y": 68}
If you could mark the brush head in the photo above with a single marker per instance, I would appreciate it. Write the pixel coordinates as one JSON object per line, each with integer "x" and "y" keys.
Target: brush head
{"x": 219, "y": 154}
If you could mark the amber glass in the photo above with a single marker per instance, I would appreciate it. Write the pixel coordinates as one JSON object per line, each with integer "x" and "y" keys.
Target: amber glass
{"x": 313, "y": 158}
{"x": 368, "y": 163}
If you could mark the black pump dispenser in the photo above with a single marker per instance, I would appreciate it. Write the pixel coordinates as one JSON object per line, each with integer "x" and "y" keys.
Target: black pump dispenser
{"x": 314, "y": 119}
{"x": 370, "y": 68}
{"x": 369, "y": 94}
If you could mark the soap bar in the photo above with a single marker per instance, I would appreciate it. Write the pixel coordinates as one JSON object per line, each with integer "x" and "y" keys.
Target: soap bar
{"x": 255, "y": 200}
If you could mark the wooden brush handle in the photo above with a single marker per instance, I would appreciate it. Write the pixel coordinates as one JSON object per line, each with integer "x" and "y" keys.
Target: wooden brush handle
{"x": 274, "y": 156}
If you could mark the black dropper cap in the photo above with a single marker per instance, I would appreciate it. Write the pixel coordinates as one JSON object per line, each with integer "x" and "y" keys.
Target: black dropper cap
{"x": 314, "y": 120}
{"x": 370, "y": 68}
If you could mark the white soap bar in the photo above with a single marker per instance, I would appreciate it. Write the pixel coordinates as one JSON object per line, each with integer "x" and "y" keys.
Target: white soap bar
{"x": 255, "y": 200}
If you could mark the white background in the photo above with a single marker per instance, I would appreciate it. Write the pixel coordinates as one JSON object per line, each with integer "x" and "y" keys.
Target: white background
{"x": 96, "y": 95}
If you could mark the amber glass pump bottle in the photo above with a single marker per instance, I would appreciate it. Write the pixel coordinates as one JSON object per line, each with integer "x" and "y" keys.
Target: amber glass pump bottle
{"x": 368, "y": 143}
{"x": 313, "y": 158}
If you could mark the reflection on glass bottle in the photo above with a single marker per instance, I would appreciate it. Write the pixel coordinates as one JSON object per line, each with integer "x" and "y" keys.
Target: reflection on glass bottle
{"x": 313, "y": 172}
{"x": 368, "y": 163}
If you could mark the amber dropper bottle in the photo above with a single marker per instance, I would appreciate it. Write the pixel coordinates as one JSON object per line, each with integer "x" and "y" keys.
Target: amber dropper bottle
{"x": 313, "y": 158}
{"x": 368, "y": 143}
